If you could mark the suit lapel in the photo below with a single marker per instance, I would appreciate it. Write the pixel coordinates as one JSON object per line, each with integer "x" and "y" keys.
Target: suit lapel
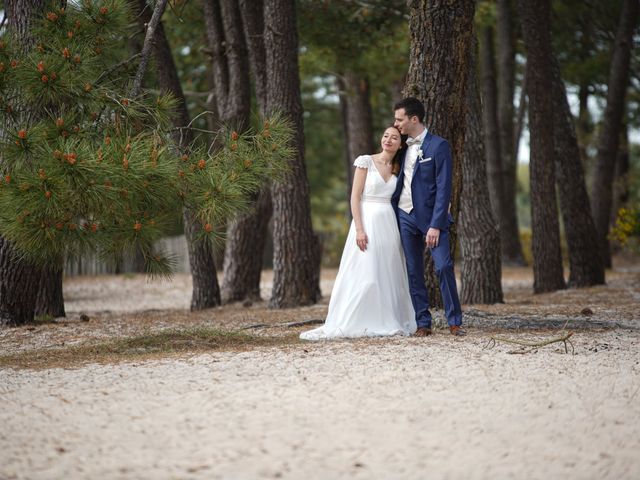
{"x": 401, "y": 173}
{"x": 423, "y": 147}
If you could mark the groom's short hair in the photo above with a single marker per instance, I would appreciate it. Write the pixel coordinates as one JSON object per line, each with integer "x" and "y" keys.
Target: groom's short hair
{"x": 412, "y": 106}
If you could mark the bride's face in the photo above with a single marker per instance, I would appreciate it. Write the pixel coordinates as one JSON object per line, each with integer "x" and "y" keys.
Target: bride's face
{"x": 390, "y": 141}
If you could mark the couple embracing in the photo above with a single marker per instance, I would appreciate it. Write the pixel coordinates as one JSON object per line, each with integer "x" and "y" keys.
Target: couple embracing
{"x": 400, "y": 204}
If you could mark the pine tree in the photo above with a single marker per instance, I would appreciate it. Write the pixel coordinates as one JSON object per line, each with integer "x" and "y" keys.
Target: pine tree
{"x": 95, "y": 169}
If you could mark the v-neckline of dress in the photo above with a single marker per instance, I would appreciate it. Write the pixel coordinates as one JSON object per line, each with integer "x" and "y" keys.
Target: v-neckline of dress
{"x": 373, "y": 162}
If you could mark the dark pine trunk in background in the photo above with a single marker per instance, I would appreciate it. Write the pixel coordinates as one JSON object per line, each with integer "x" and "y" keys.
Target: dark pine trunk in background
{"x": 481, "y": 272}
{"x": 489, "y": 112}
{"x": 230, "y": 57}
{"x": 358, "y": 119}
{"x": 296, "y": 256}
{"x": 505, "y": 48}
{"x": 19, "y": 281}
{"x": 547, "y": 259}
{"x": 230, "y": 62}
{"x": 441, "y": 35}
{"x": 50, "y": 301}
{"x": 247, "y": 233}
{"x": 585, "y": 263}
{"x": 611, "y": 125}
{"x": 206, "y": 291}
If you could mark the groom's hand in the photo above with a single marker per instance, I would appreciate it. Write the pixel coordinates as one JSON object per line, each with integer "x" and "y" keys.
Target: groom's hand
{"x": 362, "y": 240}
{"x": 433, "y": 237}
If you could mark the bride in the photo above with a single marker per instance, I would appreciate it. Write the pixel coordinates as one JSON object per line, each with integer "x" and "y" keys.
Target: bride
{"x": 371, "y": 292}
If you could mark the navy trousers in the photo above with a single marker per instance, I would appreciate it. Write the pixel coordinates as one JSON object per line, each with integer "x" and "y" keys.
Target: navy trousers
{"x": 413, "y": 243}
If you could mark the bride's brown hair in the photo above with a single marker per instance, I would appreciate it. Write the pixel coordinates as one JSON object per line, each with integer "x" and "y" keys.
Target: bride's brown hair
{"x": 395, "y": 161}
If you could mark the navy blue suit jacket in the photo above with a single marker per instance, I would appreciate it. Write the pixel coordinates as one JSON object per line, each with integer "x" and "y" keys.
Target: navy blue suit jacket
{"x": 431, "y": 184}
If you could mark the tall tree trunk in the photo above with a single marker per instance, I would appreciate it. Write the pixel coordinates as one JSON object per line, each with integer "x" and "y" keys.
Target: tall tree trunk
{"x": 230, "y": 62}
{"x": 583, "y": 125}
{"x": 585, "y": 263}
{"x": 491, "y": 145}
{"x": 50, "y": 300}
{"x": 547, "y": 258}
{"x": 481, "y": 272}
{"x": 441, "y": 36}
{"x": 252, "y": 13}
{"x": 344, "y": 113}
{"x": 246, "y": 240}
{"x": 358, "y": 125}
{"x": 608, "y": 141}
{"x": 505, "y": 46}
{"x": 247, "y": 233}
{"x": 296, "y": 256}
{"x": 520, "y": 118}
{"x": 206, "y": 290}
{"x": 19, "y": 281}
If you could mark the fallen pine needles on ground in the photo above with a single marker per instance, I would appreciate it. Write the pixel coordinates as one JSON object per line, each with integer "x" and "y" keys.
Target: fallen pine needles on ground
{"x": 152, "y": 345}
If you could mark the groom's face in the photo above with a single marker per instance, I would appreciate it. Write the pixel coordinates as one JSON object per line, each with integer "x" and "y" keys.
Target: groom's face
{"x": 407, "y": 125}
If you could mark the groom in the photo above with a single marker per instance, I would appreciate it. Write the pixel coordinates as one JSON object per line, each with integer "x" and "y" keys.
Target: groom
{"x": 421, "y": 202}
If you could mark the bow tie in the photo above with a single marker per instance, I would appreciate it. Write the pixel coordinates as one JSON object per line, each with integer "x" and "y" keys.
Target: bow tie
{"x": 413, "y": 141}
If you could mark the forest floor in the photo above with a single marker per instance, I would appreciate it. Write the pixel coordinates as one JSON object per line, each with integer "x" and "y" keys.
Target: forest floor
{"x": 133, "y": 385}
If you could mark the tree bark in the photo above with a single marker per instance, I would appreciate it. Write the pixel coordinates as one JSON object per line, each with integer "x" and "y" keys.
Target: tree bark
{"x": 247, "y": 234}
{"x": 491, "y": 145}
{"x": 585, "y": 263}
{"x": 441, "y": 36}
{"x": 509, "y": 232}
{"x": 358, "y": 125}
{"x": 205, "y": 290}
{"x": 246, "y": 240}
{"x": 547, "y": 258}
{"x": 50, "y": 300}
{"x": 296, "y": 257}
{"x": 19, "y": 280}
{"x": 609, "y": 138}
{"x": 252, "y": 13}
{"x": 230, "y": 63}
{"x": 344, "y": 113}
{"x": 583, "y": 125}
{"x": 481, "y": 272}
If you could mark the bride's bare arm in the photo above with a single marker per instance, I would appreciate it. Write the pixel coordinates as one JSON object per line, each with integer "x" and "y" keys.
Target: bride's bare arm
{"x": 359, "y": 177}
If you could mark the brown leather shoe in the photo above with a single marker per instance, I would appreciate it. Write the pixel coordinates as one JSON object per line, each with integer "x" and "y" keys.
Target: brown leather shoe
{"x": 457, "y": 331}
{"x": 422, "y": 332}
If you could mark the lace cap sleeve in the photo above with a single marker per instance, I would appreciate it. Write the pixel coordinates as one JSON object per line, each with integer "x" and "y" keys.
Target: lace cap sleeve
{"x": 363, "y": 161}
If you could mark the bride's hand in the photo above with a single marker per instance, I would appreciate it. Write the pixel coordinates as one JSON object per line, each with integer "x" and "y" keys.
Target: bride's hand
{"x": 362, "y": 240}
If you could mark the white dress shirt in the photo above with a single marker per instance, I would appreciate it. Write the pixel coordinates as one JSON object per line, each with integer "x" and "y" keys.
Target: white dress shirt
{"x": 406, "y": 202}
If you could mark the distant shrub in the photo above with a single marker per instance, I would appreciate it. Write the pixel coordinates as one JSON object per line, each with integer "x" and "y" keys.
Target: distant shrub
{"x": 626, "y": 230}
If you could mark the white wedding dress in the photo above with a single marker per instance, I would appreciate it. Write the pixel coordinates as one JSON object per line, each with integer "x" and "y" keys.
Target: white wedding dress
{"x": 370, "y": 296}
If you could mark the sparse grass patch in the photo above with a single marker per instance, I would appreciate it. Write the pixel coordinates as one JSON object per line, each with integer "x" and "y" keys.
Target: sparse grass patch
{"x": 153, "y": 345}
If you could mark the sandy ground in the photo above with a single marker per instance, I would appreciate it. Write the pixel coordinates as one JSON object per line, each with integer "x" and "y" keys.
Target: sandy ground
{"x": 441, "y": 408}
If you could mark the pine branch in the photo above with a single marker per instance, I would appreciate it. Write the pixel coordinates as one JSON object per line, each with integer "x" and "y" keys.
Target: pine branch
{"x": 116, "y": 67}
{"x": 146, "y": 48}
{"x": 563, "y": 338}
